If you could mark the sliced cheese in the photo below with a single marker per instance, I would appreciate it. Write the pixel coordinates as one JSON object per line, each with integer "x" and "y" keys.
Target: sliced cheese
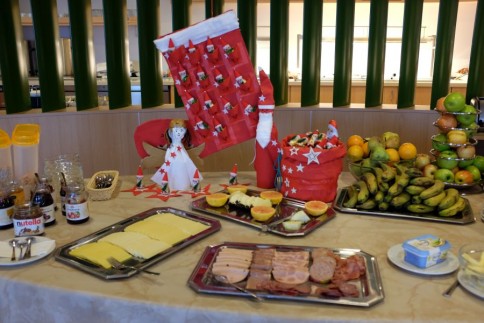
{"x": 188, "y": 226}
{"x": 137, "y": 244}
{"x": 99, "y": 252}
{"x": 167, "y": 233}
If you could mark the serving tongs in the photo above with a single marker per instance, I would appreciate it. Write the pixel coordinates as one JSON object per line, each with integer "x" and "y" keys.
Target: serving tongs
{"x": 224, "y": 280}
{"x": 270, "y": 226}
{"x": 119, "y": 266}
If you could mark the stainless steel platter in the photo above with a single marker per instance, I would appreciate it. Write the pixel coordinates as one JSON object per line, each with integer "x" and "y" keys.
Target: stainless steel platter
{"x": 62, "y": 253}
{"x": 464, "y": 217}
{"x": 369, "y": 285}
{"x": 283, "y": 211}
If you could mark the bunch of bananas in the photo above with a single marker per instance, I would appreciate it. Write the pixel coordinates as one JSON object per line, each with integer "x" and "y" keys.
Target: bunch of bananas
{"x": 403, "y": 187}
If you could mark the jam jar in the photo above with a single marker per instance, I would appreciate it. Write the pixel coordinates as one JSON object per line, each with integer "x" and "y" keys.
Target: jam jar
{"x": 43, "y": 198}
{"x": 77, "y": 210}
{"x": 28, "y": 220}
{"x": 6, "y": 210}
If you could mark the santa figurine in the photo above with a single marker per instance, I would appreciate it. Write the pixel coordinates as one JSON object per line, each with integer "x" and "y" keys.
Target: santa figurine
{"x": 233, "y": 175}
{"x": 267, "y": 145}
{"x": 332, "y": 135}
{"x": 178, "y": 167}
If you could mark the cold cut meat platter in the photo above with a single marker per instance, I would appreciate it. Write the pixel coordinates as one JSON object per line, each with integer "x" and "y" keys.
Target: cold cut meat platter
{"x": 292, "y": 273}
{"x": 286, "y": 208}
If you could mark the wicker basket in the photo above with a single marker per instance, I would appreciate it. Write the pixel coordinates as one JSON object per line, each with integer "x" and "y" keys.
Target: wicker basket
{"x": 102, "y": 194}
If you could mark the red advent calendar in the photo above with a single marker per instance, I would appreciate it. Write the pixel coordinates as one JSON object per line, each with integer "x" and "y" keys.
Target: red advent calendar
{"x": 215, "y": 79}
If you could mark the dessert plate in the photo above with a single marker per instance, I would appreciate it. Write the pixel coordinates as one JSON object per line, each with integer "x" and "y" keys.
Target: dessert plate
{"x": 465, "y": 282}
{"x": 396, "y": 255}
{"x": 47, "y": 246}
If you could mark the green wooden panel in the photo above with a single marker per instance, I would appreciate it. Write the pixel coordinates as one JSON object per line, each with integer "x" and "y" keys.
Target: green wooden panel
{"x": 375, "y": 74}
{"x": 117, "y": 53}
{"x": 12, "y": 61}
{"x": 343, "y": 56}
{"x": 213, "y": 8}
{"x": 475, "y": 80}
{"x": 181, "y": 19}
{"x": 412, "y": 23}
{"x": 247, "y": 13}
{"x": 49, "y": 54}
{"x": 444, "y": 49}
{"x": 149, "y": 56}
{"x": 311, "y": 52}
{"x": 83, "y": 58}
{"x": 279, "y": 45}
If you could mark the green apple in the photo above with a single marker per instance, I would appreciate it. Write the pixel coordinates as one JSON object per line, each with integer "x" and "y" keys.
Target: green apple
{"x": 447, "y": 159}
{"x": 454, "y": 102}
{"x": 471, "y": 129}
{"x": 444, "y": 175}
{"x": 476, "y": 173}
{"x": 464, "y": 163}
{"x": 379, "y": 154}
{"x": 439, "y": 142}
{"x": 469, "y": 116}
{"x": 479, "y": 163}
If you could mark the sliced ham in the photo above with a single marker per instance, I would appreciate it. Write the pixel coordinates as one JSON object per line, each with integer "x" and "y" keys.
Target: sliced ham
{"x": 322, "y": 269}
{"x": 291, "y": 289}
{"x": 233, "y": 274}
{"x": 290, "y": 275}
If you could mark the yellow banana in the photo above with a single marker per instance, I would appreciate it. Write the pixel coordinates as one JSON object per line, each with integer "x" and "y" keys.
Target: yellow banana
{"x": 400, "y": 183}
{"x": 420, "y": 208}
{"x": 379, "y": 196}
{"x": 414, "y": 189}
{"x": 451, "y": 196}
{"x": 352, "y": 197}
{"x": 388, "y": 173}
{"x": 434, "y": 200}
{"x": 367, "y": 205}
{"x": 416, "y": 199}
{"x": 400, "y": 200}
{"x": 458, "y": 206}
{"x": 370, "y": 180}
{"x": 433, "y": 190}
{"x": 363, "y": 192}
{"x": 383, "y": 206}
{"x": 422, "y": 181}
{"x": 382, "y": 185}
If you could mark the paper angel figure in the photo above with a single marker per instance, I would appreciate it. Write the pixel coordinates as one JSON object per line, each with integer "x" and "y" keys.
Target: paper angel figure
{"x": 178, "y": 166}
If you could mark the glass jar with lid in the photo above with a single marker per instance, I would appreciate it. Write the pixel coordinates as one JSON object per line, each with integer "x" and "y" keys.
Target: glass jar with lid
{"x": 77, "y": 210}
{"x": 28, "y": 220}
{"x": 6, "y": 209}
{"x": 43, "y": 198}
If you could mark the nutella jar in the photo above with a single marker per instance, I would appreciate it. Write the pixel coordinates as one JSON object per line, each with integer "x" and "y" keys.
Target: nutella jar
{"x": 28, "y": 221}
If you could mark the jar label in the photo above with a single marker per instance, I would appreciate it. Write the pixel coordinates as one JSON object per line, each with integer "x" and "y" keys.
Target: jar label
{"x": 6, "y": 216}
{"x": 28, "y": 227}
{"x": 48, "y": 213}
{"x": 77, "y": 212}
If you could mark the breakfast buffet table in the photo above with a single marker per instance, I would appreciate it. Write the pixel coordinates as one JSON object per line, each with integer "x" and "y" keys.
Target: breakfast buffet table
{"x": 50, "y": 291}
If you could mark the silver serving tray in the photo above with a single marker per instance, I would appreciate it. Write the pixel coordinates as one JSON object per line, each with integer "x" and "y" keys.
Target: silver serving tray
{"x": 463, "y": 217}
{"x": 283, "y": 211}
{"x": 369, "y": 285}
{"x": 62, "y": 253}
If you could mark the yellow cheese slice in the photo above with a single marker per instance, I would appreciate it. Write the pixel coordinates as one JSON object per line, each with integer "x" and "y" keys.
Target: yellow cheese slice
{"x": 159, "y": 231}
{"x": 137, "y": 244}
{"x": 99, "y": 252}
{"x": 189, "y": 226}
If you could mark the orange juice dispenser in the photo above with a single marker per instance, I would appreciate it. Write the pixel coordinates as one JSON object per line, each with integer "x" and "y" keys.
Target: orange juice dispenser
{"x": 6, "y": 169}
{"x": 25, "y": 143}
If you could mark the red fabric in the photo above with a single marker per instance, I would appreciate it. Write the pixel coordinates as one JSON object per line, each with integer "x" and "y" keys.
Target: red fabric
{"x": 311, "y": 173}
{"x": 220, "y": 85}
{"x": 265, "y": 161}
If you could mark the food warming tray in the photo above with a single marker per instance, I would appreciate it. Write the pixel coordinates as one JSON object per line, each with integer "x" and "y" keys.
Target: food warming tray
{"x": 284, "y": 210}
{"x": 62, "y": 253}
{"x": 369, "y": 285}
{"x": 465, "y": 217}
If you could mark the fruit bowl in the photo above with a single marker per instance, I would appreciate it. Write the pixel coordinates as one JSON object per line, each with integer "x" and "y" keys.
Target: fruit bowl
{"x": 357, "y": 169}
{"x": 471, "y": 259}
{"x": 436, "y": 142}
{"x": 470, "y": 131}
{"x": 475, "y": 114}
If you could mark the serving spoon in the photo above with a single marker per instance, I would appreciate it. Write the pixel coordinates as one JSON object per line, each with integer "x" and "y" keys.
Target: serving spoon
{"x": 448, "y": 292}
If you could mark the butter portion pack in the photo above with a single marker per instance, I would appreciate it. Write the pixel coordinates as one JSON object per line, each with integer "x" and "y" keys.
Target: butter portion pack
{"x": 426, "y": 250}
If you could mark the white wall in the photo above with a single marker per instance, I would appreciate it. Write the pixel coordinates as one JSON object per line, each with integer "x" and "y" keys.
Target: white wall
{"x": 464, "y": 28}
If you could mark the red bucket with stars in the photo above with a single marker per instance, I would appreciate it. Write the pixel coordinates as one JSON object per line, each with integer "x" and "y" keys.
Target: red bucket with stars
{"x": 311, "y": 173}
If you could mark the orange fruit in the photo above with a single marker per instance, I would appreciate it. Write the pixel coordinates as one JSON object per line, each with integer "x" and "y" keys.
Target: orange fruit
{"x": 274, "y": 196}
{"x": 366, "y": 149}
{"x": 237, "y": 188}
{"x": 407, "y": 151}
{"x": 262, "y": 213}
{"x": 315, "y": 208}
{"x": 217, "y": 199}
{"x": 354, "y": 140}
{"x": 355, "y": 153}
{"x": 393, "y": 154}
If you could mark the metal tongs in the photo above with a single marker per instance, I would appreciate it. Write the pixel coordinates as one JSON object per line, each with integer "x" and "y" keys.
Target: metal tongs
{"x": 270, "y": 226}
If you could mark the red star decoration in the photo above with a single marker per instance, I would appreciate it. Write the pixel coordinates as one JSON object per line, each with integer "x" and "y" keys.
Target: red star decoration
{"x": 164, "y": 196}
{"x": 136, "y": 191}
{"x": 179, "y": 148}
{"x": 173, "y": 154}
{"x": 167, "y": 163}
{"x": 204, "y": 191}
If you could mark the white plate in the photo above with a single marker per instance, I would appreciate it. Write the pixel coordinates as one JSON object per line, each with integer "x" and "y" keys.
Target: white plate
{"x": 396, "y": 254}
{"x": 464, "y": 282}
{"x": 8, "y": 262}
